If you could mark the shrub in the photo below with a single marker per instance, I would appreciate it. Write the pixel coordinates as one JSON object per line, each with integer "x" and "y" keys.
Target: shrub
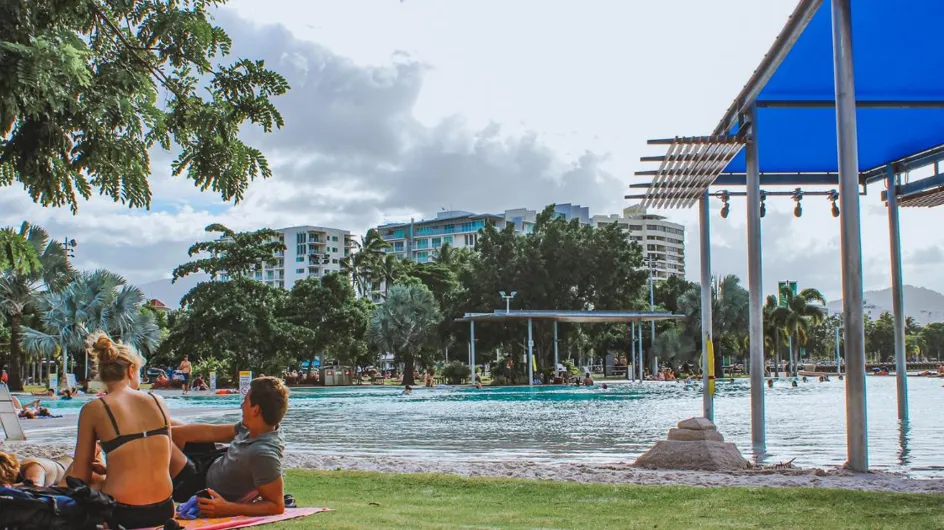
{"x": 455, "y": 372}
{"x": 571, "y": 369}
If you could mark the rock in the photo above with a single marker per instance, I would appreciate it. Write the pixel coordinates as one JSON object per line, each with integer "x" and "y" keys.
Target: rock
{"x": 697, "y": 424}
{"x": 688, "y": 435}
{"x": 701, "y": 455}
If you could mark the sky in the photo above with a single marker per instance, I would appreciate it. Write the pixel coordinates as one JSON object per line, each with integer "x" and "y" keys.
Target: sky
{"x": 402, "y": 108}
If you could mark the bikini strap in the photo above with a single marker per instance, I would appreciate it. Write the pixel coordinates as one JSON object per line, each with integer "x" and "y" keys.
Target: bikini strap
{"x": 110, "y": 416}
{"x": 158, "y": 403}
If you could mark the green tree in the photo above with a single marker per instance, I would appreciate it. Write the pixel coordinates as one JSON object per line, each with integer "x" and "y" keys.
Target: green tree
{"x": 797, "y": 314}
{"x": 404, "y": 324}
{"x": 233, "y": 253}
{"x": 16, "y": 253}
{"x": 330, "y": 318}
{"x": 236, "y": 321}
{"x": 880, "y": 337}
{"x": 729, "y": 315}
{"x": 18, "y": 289}
{"x": 362, "y": 264}
{"x": 933, "y": 338}
{"x": 96, "y": 301}
{"x": 676, "y": 346}
{"x": 88, "y": 88}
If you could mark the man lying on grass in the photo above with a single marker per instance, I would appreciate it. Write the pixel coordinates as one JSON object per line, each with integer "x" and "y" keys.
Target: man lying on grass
{"x": 246, "y": 477}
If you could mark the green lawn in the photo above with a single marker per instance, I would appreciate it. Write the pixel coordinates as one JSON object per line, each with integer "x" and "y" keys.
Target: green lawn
{"x": 378, "y": 500}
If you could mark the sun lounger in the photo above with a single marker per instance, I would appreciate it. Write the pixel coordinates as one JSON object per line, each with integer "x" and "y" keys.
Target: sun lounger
{"x": 8, "y": 415}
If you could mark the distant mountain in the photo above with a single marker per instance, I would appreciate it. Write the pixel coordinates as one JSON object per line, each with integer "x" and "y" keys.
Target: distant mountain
{"x": 171, "y": 293}
{"x": 924, "y": 305}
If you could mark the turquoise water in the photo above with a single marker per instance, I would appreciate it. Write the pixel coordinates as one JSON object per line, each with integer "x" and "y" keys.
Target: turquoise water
{"x": 585, "y": 425}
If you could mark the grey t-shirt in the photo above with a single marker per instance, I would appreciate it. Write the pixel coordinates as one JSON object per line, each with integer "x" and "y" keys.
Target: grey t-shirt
{"x": 248, "y": 464}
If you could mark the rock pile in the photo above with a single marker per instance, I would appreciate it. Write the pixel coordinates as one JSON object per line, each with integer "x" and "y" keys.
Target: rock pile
{"x": 695, "y": 444}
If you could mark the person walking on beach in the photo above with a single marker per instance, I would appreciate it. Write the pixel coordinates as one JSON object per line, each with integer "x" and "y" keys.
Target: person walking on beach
{"x": 185, "y": 369}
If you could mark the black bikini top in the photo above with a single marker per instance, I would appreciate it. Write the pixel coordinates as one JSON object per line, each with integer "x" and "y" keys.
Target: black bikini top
{"x": 122, "y": 439}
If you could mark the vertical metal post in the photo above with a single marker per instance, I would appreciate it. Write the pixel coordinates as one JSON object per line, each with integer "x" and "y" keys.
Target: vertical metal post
{"x": 652, "y": 323}
{"x": 838, "y": 363}
{"x": 642, "y": 360}
{"x": 898, "y": 296}
{"x": 472, "y": 348}
{"x": 790, "y": 354}
{"x": 756, "y": 290}
{"x": 851, "y": 237}
{"x": 555, "y": 347}
{"x": 632, "y": 349}
{"x": 530, "y": 355}
{"x": 706, "y": 317}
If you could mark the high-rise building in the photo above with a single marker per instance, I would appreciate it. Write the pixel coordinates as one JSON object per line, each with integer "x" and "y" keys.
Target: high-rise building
{"x": 310, "y": 251}
{"x": 420, "y": 240}
{"x": 662, "y": 241}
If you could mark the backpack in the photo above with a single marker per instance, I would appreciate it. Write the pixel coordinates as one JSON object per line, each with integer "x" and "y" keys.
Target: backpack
{"x": 73, "y": 507}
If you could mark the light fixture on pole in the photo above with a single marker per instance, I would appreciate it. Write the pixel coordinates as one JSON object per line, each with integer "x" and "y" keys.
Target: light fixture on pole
{"x": 798, "y": 196}
{"x": 763, "y": 203}
{"x": 833, "y": 196}
{"x": 507, "y": 298}
{"x": 69, "y": 246}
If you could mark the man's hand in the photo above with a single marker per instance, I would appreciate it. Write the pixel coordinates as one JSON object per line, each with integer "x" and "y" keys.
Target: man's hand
{"x": 215, "y": 506}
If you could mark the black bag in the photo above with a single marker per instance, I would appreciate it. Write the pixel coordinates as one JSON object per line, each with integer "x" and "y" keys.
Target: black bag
{"x": 73, "y": 507}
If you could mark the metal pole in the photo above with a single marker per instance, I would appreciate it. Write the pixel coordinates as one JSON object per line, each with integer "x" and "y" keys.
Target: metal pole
{"x": 652, "y": 323}
{"x": 632, "y": 349}
{"x": 472, "y": 348}
{"x": 556, "y": 362}
{"x": 530, "y": 355}
{"x": 838, "y": 363}
{"x": 790, "y": 354}
{"x": 898, "y": 296}
{"x": 851, "y": 237}
{"x": 706, "y": 325}
{"x": 756, "y": 290}
{"x": 641, "y": 356}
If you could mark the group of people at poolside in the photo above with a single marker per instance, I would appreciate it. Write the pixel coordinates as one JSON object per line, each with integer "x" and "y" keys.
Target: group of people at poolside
{"x": 152, "y": 460}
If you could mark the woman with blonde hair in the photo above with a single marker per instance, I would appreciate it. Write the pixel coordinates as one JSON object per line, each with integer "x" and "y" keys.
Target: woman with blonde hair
{"x": 135, "y": 436}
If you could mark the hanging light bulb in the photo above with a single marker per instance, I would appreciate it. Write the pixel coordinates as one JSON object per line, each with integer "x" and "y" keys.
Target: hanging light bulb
{"x": 725, "y": 210}
{"x": 798, "y": 196}
{"x": 835, "y": 210}
{"x": 726, "y": 204}
{"x": 833, "y": 197}
{"x": 763, "y": 203}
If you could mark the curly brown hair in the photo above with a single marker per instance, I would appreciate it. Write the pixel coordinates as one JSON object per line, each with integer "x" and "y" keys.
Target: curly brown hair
{"x": 9, "y": 468}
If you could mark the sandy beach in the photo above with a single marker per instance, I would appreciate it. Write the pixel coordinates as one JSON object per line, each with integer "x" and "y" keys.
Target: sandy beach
{"x": 606, "y": 473}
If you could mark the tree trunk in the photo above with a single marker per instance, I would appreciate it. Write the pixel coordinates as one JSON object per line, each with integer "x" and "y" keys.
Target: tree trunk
{"x": 408, "y": 363}
{"x": 16, "y": 354}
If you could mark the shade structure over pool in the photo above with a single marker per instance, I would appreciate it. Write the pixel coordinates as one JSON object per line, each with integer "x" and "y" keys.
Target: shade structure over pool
{"x": 851, "y": 92}
{"x": 576, "y": 317}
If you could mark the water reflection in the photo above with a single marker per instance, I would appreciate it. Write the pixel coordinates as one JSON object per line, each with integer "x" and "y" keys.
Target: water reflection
{"x": 904, "y": 431}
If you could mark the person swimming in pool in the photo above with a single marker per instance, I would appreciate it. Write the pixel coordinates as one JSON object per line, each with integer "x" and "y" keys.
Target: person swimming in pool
{"x": 407, "y": 390}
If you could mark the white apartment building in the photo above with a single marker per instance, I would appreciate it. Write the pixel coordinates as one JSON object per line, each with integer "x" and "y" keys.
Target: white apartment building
{"x": 310, "y": 251}
{"x": 662, "y": 241}
{"x": 420, "y": 240}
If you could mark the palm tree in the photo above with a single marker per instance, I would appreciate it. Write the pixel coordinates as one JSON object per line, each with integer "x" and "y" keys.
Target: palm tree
{"x": 797, "y": 316}
{"x": 389, "y": 271}
{"x": 674, "y": 345}
{"x": 362, "y": 265}
{"x": 729, "y": 314}
{"x": 18, "y": 288}
{"x": 775, "y": 335}
{"x": 405, "y": 324}
{"x": 99, "y": 300}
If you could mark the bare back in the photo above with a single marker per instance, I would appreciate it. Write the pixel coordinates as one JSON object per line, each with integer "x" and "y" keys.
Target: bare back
{"x": 137, "y": 470}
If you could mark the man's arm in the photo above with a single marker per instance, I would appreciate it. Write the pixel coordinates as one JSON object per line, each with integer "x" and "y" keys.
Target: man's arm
{"x": 272, "y": 502}
{"x": 202, "y": 433}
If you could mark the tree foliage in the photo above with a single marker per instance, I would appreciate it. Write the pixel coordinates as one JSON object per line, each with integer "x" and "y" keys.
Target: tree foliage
{"x": 19, "y": 288}
{"x": 88, "y": 88}
{"x": 233, "y": 253}
{"x": 405, "y": 324}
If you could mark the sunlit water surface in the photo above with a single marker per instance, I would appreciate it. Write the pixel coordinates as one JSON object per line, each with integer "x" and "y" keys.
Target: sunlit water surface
{"x": 585, "y": 425}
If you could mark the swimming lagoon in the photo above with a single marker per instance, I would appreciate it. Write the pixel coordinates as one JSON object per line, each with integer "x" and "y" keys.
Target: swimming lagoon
{"x": 587, "y": 425}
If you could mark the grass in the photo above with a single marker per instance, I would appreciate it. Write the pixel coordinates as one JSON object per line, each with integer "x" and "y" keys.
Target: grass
{"x": 380, "y": 500}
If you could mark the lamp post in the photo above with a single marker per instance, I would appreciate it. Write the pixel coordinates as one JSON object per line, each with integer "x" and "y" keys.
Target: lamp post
{"x": 650, "y": 261}
{"x": 68, "y": 245}
{"x": 507, "y": 298}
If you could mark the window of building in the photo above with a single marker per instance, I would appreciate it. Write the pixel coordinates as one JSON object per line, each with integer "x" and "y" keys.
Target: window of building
{"x": 301, "y": 238}
{"x": 447, "y": 240}
{"x": 334, "y": 249}
{"x": 299, "y": 259}
{"x": 270, "y": 275}
{"x": 437, "y": 242}
{"x": 300, "y": 249}
{"x": 299, "y": 271}
{"x": 398, "y": 246}
{"x": 334, "y": 238}
{"x": 335, "y": 261}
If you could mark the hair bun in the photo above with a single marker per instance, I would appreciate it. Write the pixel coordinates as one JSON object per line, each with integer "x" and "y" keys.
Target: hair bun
{"x": 104, "y": 349}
